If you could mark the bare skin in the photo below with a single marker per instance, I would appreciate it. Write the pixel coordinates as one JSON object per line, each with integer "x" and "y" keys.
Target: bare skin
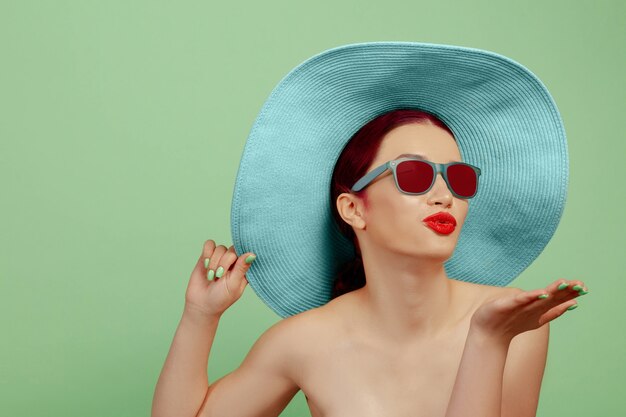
{"x": 411, "y": 342}
{"x": 394, "y": 346}
{"x": 349, "y": 370}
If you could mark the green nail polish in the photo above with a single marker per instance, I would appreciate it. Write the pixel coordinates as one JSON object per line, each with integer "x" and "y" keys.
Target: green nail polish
{"x": 543, "y": 296}
{"x": 250, "y": 258}
{"x": 220, "y": 272}
{"x": 583, "y": 292}
{"x": 206, "y": 262}
{"x": 563, "y": 286}
{"x": 577, "y": 288}
{"x": 572, "y": 307}
{"x": 211, "y": 274}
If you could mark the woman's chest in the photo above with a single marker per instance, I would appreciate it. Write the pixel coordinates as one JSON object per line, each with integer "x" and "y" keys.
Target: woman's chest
{"x": 350, "y": 379}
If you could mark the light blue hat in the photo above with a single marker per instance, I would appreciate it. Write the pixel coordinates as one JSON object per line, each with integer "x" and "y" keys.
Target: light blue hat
{"x": 503, "y": 119}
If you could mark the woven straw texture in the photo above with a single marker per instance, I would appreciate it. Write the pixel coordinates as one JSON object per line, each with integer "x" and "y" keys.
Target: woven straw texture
{"x": 504, "y": 121}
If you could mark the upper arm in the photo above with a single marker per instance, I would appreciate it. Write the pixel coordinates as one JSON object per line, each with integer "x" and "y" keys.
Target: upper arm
{"x": 523, "y": 372}
{"x": 262, "y": 385}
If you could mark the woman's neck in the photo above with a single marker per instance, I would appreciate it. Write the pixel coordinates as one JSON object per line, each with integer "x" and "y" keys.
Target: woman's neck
{"x": 406, "y": 304}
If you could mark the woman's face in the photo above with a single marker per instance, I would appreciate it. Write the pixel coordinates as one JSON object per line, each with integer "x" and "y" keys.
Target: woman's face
{"x": 394, "y": 220}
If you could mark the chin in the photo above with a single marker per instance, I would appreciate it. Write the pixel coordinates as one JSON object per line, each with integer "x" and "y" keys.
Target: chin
{"x": 443, "y": 250}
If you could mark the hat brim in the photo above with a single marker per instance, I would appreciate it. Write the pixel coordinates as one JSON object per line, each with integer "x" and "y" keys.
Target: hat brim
{"x": 504, "y": 121}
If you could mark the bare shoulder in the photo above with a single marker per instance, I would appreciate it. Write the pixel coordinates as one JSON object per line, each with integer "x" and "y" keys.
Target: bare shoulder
{"x": 268, "y": 377}
{"x": 297, "y": 334}
{"x": 304, "y": 327}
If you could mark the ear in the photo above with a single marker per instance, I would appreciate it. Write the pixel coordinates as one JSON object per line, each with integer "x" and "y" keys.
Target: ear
{"x": 350, "y": 208}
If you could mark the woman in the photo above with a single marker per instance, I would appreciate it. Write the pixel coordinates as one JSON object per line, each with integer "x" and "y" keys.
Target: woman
{"x": 398, "y": 335}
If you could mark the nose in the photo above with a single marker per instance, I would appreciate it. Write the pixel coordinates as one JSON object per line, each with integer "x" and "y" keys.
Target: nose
{"x": 440, "y": 193}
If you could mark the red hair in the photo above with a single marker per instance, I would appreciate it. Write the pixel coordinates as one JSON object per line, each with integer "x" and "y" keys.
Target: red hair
{"x": 353, "y": 163}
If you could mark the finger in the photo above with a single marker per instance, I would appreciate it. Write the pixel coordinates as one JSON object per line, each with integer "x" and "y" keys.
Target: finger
{"x": 518, "y": 298}
{"x": 556, "y": 312}
{"x": 558, "y": 292}
{"x": 225, "y": 262}
{"x": 207, "y": 251}
{"x": 232, "y": 258}
{"x": 237, "y": 276}
{"x": 561, "y": 284}
{"x": 578, "y": 286}
{"x": 208, "y": 248}
{"x": 215, "y": 260}
{"x": 199, "y": 270}
{"x": 567, "y": 289}
{"x": 527, "y": 297}
{"x": 558, "y": 285}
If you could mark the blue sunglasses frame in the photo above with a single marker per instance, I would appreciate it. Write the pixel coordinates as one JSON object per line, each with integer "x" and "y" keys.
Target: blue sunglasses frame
{"x": 437, "y": 168}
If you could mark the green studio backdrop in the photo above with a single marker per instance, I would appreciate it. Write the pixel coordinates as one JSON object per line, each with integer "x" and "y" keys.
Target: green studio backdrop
{"x": 122, "y": 125}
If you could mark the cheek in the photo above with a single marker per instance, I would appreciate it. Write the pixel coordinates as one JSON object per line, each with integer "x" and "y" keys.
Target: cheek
{"x": 461, "y": 214}
{"x": 394, "y": 219}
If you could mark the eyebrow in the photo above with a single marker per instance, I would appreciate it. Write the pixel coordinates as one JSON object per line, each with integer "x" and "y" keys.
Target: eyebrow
{"x": 415, "y": 155}
{"x": 411, "y": 155}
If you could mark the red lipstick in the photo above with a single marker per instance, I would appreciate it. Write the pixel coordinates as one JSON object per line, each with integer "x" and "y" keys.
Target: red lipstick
{"x": 441, "y": 222}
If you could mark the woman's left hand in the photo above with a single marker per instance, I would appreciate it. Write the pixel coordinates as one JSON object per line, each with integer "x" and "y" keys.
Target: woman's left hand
{"x": 505, "y": 317}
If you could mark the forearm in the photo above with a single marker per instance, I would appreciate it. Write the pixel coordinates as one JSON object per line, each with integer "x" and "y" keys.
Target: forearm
{"x": 183, "y": 383}
{"x": 477, "y": 390}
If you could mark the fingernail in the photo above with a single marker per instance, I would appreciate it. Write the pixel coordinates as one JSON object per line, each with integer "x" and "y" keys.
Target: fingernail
{"x": 572, "y": 307}
{"x": 583, "y": 292}
{"x": 206, "y": 262}
{"x": 563, "y": 286}
{"x": 220, "y": 272}
{"x": 211, "y": 274}
{"x": 543, "y": 296}
{"x": 250, "y": 258}
{"x": 577, "y": 288}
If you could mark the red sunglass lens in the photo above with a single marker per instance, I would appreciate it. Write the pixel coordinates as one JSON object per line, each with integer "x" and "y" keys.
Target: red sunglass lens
{"x": 463, "y": 179}
{"x": 414, "y": 176}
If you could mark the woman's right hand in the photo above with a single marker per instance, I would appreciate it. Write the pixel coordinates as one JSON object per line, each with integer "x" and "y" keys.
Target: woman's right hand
{"x": 213, "y": 297}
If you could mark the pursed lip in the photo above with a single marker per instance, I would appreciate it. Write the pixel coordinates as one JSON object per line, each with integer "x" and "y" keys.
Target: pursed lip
{"x": 441, "y": 217}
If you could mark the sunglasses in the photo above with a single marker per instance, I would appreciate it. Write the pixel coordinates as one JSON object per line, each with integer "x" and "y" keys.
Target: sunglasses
{"x": 417, "y": 176}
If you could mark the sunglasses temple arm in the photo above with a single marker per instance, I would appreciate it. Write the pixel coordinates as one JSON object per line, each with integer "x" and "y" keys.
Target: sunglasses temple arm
{"x": 369, "y": 177}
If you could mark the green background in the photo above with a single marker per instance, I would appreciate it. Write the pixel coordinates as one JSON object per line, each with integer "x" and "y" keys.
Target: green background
{"x": 122, "y": 125}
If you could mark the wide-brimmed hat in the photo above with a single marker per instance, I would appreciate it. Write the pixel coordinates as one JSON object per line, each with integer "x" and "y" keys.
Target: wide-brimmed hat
{"x": 503, "y": 119}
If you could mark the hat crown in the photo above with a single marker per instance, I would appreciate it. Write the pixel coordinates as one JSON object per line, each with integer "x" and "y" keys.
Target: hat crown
{"x": 504, "y": 121}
